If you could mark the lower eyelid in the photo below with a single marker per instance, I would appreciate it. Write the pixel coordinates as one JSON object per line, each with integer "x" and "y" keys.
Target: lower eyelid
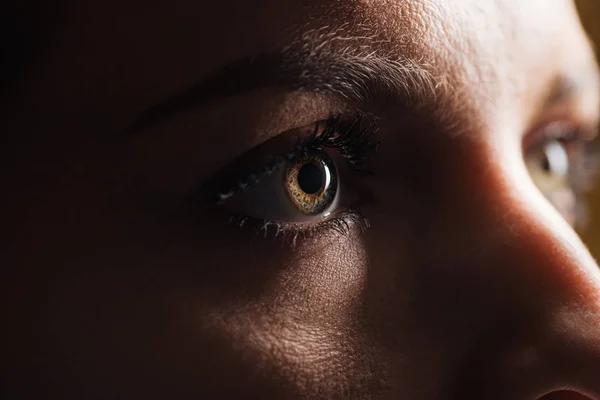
{"x": 295, "y": 234}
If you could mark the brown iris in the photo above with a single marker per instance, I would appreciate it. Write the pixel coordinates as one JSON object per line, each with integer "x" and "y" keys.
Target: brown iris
{"x": 311, "y": 183}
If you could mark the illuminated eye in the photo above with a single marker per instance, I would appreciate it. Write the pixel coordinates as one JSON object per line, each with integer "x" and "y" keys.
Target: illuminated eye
{"x": 310, "y": 187}
{"x": 300, "y": 189}
{"x": 548, "y": 165}
{"x": 311, "y": 183}
{"x": 552, "y": 164}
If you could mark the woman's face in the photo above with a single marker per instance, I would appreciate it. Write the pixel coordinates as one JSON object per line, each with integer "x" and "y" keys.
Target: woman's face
{"x": 301, "y": 199}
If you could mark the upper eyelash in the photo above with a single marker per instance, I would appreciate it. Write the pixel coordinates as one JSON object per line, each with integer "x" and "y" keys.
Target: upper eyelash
{"x": 354, "y": 142}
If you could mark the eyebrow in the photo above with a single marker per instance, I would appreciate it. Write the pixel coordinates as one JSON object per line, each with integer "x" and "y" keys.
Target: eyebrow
{"x": 346, "y": 72}
{"x": 569, "y": 86}
{"x": 343, "y": 73}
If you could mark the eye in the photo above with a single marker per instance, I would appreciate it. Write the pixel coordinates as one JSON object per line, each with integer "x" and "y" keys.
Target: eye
{"x": 302, "y": 189}
{"x": 310, "y": 186}
{"x": 559, "y": 163}
{"x": 548, "y": 165}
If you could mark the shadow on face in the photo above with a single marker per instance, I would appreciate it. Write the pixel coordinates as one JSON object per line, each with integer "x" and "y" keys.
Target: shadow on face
{"x": 302, "y": 199}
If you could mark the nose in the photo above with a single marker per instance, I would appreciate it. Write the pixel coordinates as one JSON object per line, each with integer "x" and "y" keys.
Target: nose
{"x": 501, "y": 281}
{"x": 545, "y": 339}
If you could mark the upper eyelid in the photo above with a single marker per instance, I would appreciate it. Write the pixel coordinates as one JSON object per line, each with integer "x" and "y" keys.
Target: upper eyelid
{"x": 571, "y": 101}
{"x": 360, "y": 125}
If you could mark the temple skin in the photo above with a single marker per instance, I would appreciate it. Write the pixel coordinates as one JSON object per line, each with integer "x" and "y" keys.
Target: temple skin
{"x": 468, "y": 283}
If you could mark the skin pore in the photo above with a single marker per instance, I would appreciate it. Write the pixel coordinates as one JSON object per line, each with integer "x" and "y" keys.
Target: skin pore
{"x": 120, "y": 278}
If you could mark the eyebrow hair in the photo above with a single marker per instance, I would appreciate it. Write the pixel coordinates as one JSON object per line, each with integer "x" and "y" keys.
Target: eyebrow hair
{"x": 347, "y": 72}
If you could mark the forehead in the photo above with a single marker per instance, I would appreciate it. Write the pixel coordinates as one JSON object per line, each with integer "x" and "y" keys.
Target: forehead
{"x": 484, "y": 54}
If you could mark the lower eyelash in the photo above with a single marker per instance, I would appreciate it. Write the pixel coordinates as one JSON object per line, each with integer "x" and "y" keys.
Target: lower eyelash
{"x": 290, "y": 233}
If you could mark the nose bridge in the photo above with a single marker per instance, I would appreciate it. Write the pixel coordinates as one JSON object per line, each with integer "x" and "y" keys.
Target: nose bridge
{"x": 545, "y": 288}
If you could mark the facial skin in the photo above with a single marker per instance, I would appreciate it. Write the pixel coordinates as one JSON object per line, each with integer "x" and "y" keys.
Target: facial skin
{"x": 468, "y": 283}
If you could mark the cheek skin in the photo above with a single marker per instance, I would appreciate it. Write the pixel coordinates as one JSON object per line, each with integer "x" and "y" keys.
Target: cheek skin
{"x": 168, "y": 315}
{"x": 475, "y": 269}
{"x": 301, "y": 329}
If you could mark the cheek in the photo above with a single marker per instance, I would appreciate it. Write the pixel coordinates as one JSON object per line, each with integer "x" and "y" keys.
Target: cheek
{"x": 285, "y": 319}
{"x": 188, "y": 304}
{"x": 442, "y": 213}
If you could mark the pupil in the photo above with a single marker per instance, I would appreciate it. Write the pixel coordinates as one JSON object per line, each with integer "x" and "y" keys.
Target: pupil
{"x": 310, "y": 178}
{"x": 546, "y": 165}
